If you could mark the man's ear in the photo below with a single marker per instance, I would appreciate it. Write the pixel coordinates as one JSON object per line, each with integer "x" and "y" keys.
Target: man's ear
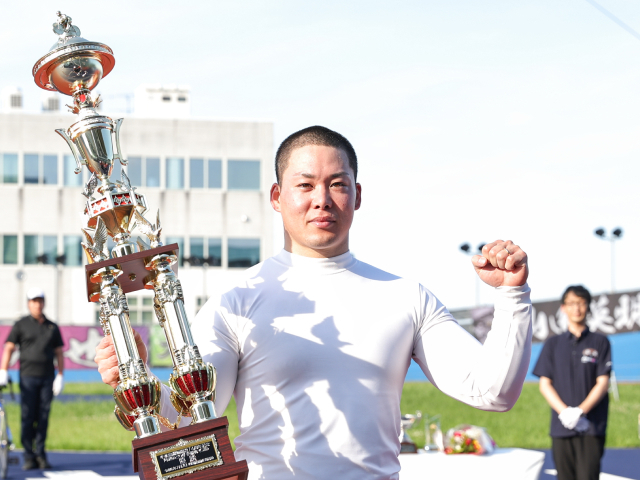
{"x": 275, "y": 197}
{"x": 358, "y": 196}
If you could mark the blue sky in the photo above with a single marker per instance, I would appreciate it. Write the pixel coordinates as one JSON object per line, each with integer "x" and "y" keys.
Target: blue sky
{"x": 472, "y": 120}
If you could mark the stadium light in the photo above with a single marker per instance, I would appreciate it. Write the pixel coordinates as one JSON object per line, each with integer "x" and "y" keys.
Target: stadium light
{"x": 466, "y": 248}
{"x": 616, "y": 234}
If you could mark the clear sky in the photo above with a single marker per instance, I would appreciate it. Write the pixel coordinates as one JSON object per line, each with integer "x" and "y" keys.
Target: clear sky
{"x": 472, "y": 120}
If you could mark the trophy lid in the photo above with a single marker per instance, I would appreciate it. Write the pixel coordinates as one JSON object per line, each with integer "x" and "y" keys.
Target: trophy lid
{"x": 73, "y": 63}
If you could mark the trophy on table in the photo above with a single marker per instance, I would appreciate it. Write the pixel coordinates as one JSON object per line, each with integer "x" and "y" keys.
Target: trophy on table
{"x": 433, "y": 440}
{"x": 74, "y": 66}
{"x": 406, "y": 422}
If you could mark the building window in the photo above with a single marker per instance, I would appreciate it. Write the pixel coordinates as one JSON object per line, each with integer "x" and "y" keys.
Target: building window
{"x": 16, "y": 101}
{"x": 73, "y": 250}
{"x": 243, "y": 175}
{"x": 31, "y": 168}
{"x": 51, "y": 104}
{"x": 196, "y": 173}
{"x": 41, "y": 169}
{"x": 40, "y": 249}
{"x": 30, "y": 249}
{"x": 175, "y": 173}
{"x": 180, "y": 242}
{"x": 196, "y": 249}
{"x": 200, "y": 301}
{"x": 214, "y": 174}
{"x": 116, "y": 172}
{"x": 9, "y": 249}
{"x": 50, "y": 169}
{"x": 143, "y": 172}
{"x": 243, "y": 252}
{"x": 152, "y": 172}
{"x": 134, "y": 171}
{"x": 48, "y": 249}
{"x": 205, "y": 174}
{"x": 214, "y": 247}
{"x": 9, "y": 168}
{"x": 140, "y": 310}
{"x": 71, "y": 179}
{"x": 205, "y": 249}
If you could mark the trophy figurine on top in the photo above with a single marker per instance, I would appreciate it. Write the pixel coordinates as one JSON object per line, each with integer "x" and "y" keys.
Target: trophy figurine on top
{"x": 74, "y": 66}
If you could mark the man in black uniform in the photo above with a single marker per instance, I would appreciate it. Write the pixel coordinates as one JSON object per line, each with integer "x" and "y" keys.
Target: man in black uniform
{"x": 40, "y": 342}
{"x": 574, "y": 370}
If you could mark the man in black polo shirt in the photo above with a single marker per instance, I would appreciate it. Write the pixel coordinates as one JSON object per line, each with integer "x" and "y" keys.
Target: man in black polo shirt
{"x": 40, "y": 342}
{"x": 574, "y": 370}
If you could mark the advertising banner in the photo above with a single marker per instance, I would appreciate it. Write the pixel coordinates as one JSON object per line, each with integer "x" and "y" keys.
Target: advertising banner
{"x": 609, "y": 314}
{"x": 80, "y": 345}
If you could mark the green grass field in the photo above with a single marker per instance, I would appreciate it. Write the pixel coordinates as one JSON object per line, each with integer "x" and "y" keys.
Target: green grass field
{"x": 92, "y": 426}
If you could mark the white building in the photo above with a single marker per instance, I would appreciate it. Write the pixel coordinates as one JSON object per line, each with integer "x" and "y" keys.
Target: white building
{"x": 210, "y": 179}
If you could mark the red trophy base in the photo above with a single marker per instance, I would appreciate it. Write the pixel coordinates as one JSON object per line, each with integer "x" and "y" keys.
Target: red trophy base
{"x": 197, "y": 452}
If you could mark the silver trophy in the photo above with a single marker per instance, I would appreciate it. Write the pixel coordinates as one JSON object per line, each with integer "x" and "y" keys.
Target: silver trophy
{"x": 408, "y": 421}
{"x": 74, "y": 66}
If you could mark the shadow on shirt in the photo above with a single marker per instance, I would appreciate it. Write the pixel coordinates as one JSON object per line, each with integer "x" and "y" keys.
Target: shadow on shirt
{"x": 308, "y": 397}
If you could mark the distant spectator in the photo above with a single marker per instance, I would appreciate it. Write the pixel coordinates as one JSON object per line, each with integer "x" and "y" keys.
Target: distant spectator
{"x": 40, "y": 342}
{"x": 574, "y": 370}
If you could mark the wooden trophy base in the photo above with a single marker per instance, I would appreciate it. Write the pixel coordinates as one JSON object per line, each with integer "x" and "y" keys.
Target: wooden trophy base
{"x": 197, "y": 452}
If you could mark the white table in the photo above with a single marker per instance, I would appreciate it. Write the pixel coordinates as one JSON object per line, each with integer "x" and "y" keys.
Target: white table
{"x": 502, "y": 464}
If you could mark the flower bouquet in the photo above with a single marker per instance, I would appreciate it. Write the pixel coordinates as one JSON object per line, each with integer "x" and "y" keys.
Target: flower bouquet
{"x": 468, "y": 439}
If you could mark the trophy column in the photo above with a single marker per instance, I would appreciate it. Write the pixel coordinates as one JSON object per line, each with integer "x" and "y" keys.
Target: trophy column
{"x": 137, "y": 394}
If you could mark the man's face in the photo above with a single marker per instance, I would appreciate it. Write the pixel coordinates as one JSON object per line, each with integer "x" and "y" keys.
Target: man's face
{"x": 317, "y": 197}
{"x": 36, "y": 306}
{"x": 575, "y": 308}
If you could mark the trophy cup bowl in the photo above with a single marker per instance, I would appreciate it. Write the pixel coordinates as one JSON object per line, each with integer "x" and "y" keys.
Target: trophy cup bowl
{"x": 75, "y": 66}
{"x": 92, "y": 142}
{"x": 73, "y": 63}
{"x": 95, "y": 143}
{"x": 73, "y": 73}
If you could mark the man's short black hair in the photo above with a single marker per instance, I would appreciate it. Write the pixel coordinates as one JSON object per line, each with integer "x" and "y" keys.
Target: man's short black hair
{"x": 578, "y": 291}
{"x": 315, "y": 135}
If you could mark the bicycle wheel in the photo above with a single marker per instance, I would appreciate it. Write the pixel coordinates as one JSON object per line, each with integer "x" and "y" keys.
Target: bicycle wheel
{"x": 5, "y": 444}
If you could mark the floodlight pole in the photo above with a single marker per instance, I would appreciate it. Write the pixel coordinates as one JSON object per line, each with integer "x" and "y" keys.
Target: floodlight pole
{"x": 616, "y": 234}
{"x": 466, "y": 249}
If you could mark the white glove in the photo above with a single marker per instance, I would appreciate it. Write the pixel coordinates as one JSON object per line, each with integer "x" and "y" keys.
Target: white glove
{"x": 58, "y": 385}
{"x": 570, "y": 416}
{"x": 4, "y": 378}
{"x": 583, "y": 425}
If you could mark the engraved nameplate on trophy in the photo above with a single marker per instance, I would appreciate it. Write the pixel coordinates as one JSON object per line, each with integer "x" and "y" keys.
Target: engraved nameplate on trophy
{"x": 74, "y": 66}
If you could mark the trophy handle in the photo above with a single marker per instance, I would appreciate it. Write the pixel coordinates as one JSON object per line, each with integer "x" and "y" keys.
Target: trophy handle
{"x": 118, "y": 154}
{"x": 76, "y": 155}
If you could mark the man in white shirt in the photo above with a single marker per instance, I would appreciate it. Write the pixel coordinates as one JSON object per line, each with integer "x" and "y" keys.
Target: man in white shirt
{"x": 315, "y": 345}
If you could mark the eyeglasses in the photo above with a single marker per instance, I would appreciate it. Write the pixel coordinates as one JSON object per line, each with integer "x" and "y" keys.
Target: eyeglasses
{"x": 576, "y": 304}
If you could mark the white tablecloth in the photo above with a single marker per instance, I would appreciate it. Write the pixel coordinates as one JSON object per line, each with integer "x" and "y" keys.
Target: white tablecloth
{"x": 502, "y": 464}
